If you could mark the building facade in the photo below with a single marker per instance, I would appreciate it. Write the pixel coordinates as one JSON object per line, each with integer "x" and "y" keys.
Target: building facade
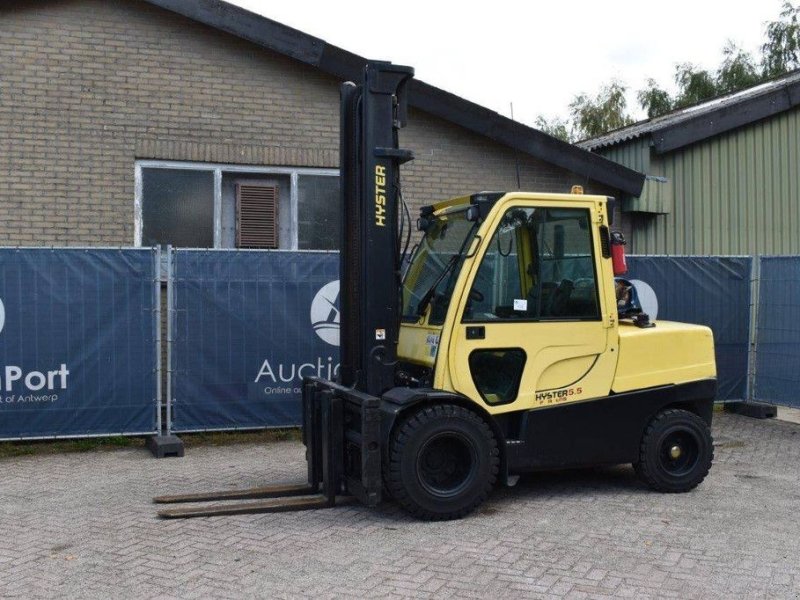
{"x": 132, "y": 122}
{"x": 723, "y": 176}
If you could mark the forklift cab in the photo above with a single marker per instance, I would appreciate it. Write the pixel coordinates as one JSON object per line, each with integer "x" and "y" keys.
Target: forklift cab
{"x": 504, "y": 300}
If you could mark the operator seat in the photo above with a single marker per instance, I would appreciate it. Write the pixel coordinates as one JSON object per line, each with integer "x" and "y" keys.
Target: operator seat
{"x": 559, "y": 306}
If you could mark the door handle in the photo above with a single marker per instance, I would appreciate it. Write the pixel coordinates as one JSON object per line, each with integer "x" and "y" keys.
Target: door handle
{"x": 476, "y": 332}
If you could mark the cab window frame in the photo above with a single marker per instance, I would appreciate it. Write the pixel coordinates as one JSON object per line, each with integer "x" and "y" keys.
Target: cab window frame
{"x": 596, "y": 271}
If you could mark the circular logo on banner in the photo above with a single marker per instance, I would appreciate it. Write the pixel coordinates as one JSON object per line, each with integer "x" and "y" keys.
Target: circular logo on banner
{"x": 647, "y": 298}
{"x": 325, "y": 313}
{"x": 2, "y": 316}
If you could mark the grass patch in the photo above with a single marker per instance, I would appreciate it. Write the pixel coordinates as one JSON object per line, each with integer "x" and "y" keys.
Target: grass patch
{"x": 225, "y": 438}
{"x": 191, "y": 440}
{"x": 39, "y": 447}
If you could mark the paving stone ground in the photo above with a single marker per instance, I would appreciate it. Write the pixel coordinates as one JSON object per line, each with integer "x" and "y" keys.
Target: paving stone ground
{"x": 82, "y": 526}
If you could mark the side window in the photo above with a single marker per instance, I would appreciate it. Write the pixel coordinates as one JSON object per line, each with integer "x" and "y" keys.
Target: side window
{"x": 539, "y": 265}
{"x": 497, "y": 373}
{"x": 178, "y": 208}
{"x": 189, "y": 205}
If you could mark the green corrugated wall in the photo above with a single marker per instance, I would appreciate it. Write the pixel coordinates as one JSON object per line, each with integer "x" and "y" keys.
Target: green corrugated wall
{"x": 736, "y": 193}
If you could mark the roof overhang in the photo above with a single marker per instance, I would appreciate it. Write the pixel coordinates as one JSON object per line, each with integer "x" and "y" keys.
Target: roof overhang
{"x": 695, "y": 123}
{"x": 726, "y": 118}
{"x": 345, "y": 65}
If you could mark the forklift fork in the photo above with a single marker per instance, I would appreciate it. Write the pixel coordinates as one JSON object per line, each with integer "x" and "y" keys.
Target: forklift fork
{"x": 341, "y": 429}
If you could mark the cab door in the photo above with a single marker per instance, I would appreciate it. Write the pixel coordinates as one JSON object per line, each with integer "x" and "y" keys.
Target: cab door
{"x": 531, "y": 331}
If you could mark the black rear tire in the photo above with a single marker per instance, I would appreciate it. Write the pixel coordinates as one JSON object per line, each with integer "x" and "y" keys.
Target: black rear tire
{"x": 676, "y": 452}
{"x": 443, "y": 462}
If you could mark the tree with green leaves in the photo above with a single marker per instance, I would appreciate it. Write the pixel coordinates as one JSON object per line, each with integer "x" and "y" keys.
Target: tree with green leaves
{"x": 654, "y": 100}
{"x": 694, "y": 85}
{"x": 604, "y": 112}
{"x": 780, "y": 53}
{"x": 557, "y": 127}
{"x": 737, "y": 71}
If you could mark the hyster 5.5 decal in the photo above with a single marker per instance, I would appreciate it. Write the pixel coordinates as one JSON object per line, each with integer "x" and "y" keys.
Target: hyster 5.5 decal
{"x": 380, "y": 196}
{"x": 554, "y": 396}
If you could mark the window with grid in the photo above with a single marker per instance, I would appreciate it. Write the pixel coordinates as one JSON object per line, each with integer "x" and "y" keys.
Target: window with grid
{"x": 196, "y": 205}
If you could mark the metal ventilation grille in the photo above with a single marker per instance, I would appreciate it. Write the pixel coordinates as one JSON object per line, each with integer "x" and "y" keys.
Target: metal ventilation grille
{"x": 256, "y": 216}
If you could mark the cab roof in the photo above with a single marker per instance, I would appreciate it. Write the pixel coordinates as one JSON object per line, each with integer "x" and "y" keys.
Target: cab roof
{"x": 490, "y": 198}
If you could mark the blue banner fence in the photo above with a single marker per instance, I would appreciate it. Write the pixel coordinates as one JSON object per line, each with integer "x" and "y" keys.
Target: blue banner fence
{"x": 245, "y": 328}
{"x": 776, "y": 360}
{"x": 707, "y": 290}
{"x": 79, "y": 342}
{"x": 80, "y": 334}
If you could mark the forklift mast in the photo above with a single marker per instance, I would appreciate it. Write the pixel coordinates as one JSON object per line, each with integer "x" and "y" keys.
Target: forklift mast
{"x": 372, "y": 113}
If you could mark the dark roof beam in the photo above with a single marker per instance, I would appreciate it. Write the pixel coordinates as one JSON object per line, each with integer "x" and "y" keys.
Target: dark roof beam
{"x": 247, "y": 25}
{"x": 726, "y": 118}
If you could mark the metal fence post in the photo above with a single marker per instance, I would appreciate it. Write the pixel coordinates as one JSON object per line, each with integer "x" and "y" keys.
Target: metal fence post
{"x": 752, "y": 349}
{"x": 157, "y": 327}
{"x": 170, "y": 331}
{"x": 164, "y": 443}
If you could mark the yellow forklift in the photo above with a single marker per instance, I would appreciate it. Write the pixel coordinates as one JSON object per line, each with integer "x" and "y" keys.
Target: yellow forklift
{"x": 504, "y": 346}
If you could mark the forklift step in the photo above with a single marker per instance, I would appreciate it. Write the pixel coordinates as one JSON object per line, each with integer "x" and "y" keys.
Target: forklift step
{"x": 272, "y": 505}
{"x": 270, "y": 491}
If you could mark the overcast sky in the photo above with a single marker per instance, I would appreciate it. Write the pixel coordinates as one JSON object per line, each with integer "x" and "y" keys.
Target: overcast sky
{"x": 538, "y": 55}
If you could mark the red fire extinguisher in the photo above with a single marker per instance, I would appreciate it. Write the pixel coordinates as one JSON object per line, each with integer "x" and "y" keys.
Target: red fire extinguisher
{"x": 618, "y": 253}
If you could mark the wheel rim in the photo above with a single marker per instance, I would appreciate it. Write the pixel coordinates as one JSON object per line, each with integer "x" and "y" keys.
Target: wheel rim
{"x": 679, "y": 452}
{"x": 445, "y": 464}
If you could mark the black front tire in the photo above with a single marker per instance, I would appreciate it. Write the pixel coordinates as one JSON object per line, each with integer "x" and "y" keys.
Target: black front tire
{"x": 443, "y": 462}
{"x": 676, "y": 452}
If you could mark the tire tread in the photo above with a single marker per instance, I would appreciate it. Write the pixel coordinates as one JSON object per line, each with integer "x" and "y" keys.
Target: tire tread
{"x": 643, "y": 469}
{"x": 405, "y": 431}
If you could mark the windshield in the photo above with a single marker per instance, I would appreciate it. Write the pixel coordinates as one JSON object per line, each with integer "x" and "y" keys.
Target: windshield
{"x": 436, "y": 264}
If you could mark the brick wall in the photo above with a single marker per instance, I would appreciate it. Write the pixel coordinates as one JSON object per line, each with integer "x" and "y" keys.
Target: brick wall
{"x": 89, "y": 86}
{"x": 451, "y": 161}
